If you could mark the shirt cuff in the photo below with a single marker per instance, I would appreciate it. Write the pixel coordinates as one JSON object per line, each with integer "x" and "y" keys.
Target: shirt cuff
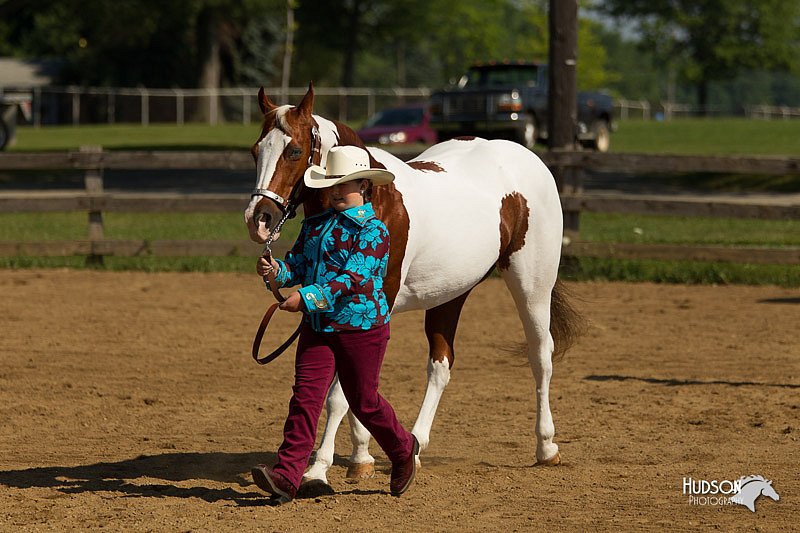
{"x": 314, "y": 300}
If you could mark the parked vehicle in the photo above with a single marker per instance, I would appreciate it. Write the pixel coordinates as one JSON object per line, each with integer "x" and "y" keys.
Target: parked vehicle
{"x": 398, "y": 125}
{"x": 510, "y": 100}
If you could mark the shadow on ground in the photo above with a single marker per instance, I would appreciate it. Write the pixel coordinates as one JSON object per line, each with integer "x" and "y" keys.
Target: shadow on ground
{"x": 120, "y": 476}
{"x": 673, "y": 382}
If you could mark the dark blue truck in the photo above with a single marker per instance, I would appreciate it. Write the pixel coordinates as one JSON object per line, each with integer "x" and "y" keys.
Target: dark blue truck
{"x": 509, "y": 101}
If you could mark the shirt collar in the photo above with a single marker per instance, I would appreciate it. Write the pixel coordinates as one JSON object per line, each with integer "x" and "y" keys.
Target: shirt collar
{"x": 359, "y": 214}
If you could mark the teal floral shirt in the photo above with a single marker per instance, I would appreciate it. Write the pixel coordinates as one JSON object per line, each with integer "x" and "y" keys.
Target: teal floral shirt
{"x": 340, "y": 259}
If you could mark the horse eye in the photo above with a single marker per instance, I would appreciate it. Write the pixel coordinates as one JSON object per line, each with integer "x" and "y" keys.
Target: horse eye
{"x": 294, "y": 152}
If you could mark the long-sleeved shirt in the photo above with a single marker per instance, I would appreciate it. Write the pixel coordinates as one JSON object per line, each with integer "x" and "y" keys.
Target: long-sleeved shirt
{"x": 340, "y": 259}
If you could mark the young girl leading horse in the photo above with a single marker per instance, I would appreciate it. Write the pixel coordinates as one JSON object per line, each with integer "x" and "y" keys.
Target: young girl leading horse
{"x": 339, "y": 259}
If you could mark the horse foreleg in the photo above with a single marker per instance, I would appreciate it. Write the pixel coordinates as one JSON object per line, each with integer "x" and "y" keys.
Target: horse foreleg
{"x": 336, "y": 407}
{"x": 440, "y": 329}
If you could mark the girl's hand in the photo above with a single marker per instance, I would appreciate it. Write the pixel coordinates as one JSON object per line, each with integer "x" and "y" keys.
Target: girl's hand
{"x": 263, "y": 267}
{"x": 293, "y": 303}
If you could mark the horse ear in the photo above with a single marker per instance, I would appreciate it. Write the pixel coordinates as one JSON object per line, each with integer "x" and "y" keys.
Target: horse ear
{"x": 264, "y": 102}
{"x": 307, "y": 103}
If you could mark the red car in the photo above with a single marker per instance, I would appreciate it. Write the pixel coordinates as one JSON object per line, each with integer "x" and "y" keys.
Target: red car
{"x": 395, "y": 125}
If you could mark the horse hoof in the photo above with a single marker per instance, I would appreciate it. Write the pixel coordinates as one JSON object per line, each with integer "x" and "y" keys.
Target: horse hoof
{"x": 313, "y": 488}
{"x": 553, "y": 461}
{"x": 361, "y": 471}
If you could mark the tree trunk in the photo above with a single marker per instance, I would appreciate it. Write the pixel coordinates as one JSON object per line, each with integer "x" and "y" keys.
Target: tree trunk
{"x": 702, "y": 97}
{"x": 351, "y": 44}
{"x": 211, "y": 69}
{"x": 401, "y": 64}
{"x": 287, "y": 51}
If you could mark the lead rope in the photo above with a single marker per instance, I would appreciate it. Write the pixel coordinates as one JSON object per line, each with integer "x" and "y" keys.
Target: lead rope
{"x": 269, "y": 278}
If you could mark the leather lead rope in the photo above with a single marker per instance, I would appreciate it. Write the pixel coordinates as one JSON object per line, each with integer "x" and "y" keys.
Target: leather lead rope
{"x": 265, "y": 322}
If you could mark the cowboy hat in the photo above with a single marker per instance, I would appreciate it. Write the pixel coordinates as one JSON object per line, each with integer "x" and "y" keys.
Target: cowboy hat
{"x": 345, "y": 163}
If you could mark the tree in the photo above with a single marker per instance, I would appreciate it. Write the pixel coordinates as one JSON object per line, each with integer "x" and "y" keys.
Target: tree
{"x": 188, "y": 43}
{"x": 710, "y": 40}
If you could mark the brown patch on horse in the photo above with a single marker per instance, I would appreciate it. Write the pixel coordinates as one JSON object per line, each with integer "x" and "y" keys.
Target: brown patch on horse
{"x": 440, "y": 328}
{"x": 387, "y": 202}
{"x": 430, "y": 166}
{"x": 464, "y": 138}
{"x": 514, "y": 213}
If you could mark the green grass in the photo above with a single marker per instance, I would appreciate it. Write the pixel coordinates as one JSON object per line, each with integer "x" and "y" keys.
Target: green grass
{"x": 147, "y": 226}
{"x": 718, "y": 136}
{"x": 131, "y": 137}
{"x": 654, "y": 229}
{"x": 713, "y": 136}
{"x": 686, "y": 272}
{"x": 595, "y": 227}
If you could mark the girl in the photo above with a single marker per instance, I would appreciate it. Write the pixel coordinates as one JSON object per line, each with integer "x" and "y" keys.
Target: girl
{"x": 339, "y": 260}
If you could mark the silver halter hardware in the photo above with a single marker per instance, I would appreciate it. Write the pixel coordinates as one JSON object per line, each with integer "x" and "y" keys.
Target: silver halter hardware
{"x": 269, "y": 194}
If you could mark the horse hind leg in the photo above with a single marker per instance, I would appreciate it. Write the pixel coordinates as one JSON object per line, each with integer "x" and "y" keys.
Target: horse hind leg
{"x": 532, "y": 295}
{"x": 362, "y": 464}
{"x": 440, "y": 329}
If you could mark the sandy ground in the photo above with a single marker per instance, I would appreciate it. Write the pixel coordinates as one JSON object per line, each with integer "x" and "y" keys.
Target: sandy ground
{"x": 129, "y": 401}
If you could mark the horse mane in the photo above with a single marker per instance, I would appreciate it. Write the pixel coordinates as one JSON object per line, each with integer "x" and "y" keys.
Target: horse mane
{"x": 745, "y": 480}
{"x": 348, "y": 137}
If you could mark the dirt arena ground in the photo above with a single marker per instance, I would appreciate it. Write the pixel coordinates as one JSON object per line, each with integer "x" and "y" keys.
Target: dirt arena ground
{"x": 129, "y": 402}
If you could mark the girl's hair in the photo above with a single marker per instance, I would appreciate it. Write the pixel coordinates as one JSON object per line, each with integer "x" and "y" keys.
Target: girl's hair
{"x": 368, "y": 191}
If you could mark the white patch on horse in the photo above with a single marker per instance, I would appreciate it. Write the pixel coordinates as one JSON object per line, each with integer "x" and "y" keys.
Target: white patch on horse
{"x": 328, "y": 134}
{"x": 270, "y": 149}
{"x": 438, "y": 378}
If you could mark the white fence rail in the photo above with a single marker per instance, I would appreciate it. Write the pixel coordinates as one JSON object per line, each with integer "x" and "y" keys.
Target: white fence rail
{"x": 109, "y": 105}
{"x": 93, "y": 105}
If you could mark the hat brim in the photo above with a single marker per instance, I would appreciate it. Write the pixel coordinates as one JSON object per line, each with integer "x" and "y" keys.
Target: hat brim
{"x": 316, "y": 178}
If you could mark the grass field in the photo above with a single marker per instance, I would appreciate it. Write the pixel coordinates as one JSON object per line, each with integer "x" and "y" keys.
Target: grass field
{"x": 719, "y": 136}
{"x": 594, "y": 227}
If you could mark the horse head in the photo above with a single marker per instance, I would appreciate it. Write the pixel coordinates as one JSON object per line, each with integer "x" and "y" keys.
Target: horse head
{"x": 768, "y": 491}
{"x": 282, "y": 152}
{"x": 291, "y": 140}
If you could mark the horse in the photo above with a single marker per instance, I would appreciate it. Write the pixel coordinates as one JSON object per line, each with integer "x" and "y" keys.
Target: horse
{"x": 454, "y": 213}
{"x": 751, "y": 487}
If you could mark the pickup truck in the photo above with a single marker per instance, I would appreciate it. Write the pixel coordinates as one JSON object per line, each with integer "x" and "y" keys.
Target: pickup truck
{"x": 509, "y": 100}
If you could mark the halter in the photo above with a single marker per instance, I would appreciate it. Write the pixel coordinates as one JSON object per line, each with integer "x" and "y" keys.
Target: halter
{"x": 290, "y": 205}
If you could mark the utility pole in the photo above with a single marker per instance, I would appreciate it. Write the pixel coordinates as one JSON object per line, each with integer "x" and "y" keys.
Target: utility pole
{"x": 287, "y": 51}
{"x": 563, "y": 92}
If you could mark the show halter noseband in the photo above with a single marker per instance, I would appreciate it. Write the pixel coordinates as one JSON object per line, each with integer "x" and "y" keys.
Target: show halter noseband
{"x": 289, "y": 210}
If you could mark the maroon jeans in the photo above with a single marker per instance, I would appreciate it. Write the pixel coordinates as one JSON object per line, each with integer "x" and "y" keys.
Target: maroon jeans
{"x": 357, "y": 357}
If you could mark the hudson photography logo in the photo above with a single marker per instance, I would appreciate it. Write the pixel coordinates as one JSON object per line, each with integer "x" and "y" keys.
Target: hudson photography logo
{"x": 743, "y": 491}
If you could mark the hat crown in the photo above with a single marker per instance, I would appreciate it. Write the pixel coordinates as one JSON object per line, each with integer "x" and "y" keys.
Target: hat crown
{"x": 344, "y": 160}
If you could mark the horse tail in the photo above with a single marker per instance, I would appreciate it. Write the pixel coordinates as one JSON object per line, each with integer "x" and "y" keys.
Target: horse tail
{"x": 566, "y": 323}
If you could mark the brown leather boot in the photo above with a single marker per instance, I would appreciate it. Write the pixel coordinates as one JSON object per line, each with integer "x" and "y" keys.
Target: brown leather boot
{"x": 273, "y": 483}
{"x": 403, "y": 472}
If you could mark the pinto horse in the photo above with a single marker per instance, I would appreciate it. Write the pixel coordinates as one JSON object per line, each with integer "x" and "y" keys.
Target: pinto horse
{"x": 454, "y": 213}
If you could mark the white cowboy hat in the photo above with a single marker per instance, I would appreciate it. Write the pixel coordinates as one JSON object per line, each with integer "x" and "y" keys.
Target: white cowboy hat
{"x": 345, "y": 163}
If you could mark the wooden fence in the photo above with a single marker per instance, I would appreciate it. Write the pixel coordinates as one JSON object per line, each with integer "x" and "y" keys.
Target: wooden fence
{"x": 569, "y": 168}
